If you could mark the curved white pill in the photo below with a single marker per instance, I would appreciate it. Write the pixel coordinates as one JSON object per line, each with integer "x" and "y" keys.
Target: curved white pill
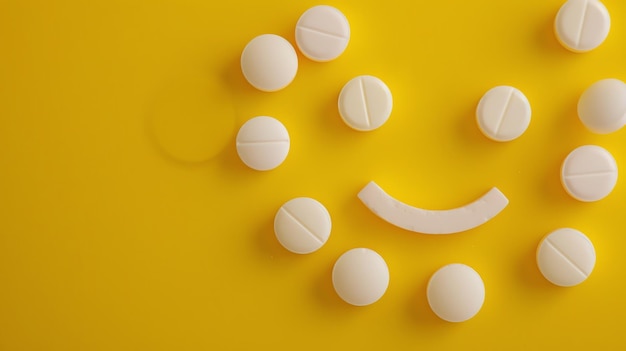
{"x": 322, "y": 33}
{"x": 456, "y": 292}
{"x": 269, "y": 62}
{"x": 360, "y": 277}
{"x": 302, "y": 225}
{"x": 503, "y": 113}
{"x": 566, "y": 257}
{"x": 365, "y": 103}
{"x": 589, "y": 173}
{"x": 582, "y": 25}
{"x": 602, "y": 107}
{"x": 263, "y": 143}
{"x": 432, "y": 221}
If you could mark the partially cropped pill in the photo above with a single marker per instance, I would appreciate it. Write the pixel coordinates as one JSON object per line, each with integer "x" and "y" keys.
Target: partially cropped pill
{"x": 365, "y": 103}
{"x": 602, "y": 107}
{"x": 322, "y": 33}
{"x": 455, "y": 292}
{"x": 269, "y": 62}
{"x": 582, "y": 25}
{"x": 302, "y": 225}
{"x": 566, "y": 257}
{"x": 263, "y": 143}
{"x": 589, "y": 173}
{"x": 360, "y": 276}
{"x": 503, "y": 113}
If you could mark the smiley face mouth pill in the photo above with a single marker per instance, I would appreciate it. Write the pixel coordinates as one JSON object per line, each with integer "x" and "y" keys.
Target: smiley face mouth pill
{"x": 365, "y": 103}
{"x": 602, "y": 106}
{"x": 360, "y": 276}
{"x": 589, "y": 173}
{"x": 503, "y": 113}
{"x": 263, "y": 143}
{"x": 432, "y": 221}
{"x": 566, "y": 257}
{"x": 455, "y": 292}
{"x": 269, "y": 62}
{"x": 302, "y": 225}
{"x": 582, "y": 25}
{"x": 322, "y": 33}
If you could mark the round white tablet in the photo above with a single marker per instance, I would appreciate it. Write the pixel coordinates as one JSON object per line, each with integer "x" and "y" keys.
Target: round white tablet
{"x": 263, "y": 143}
{"x": 365, "y": 103}
{"x": 582, "y": 25}
{"x": 269, "y": 62}
{"x": 602, "y": 107}
{"x": 302, "y": 225}
{"x": 360, "y": 276}
{"x": 456, "y": 292}
{"x": 503, "y": 113}
{"x": 589, "y": 173}
{"x": 566, "y": 257}
{"x": 322, "y": 33}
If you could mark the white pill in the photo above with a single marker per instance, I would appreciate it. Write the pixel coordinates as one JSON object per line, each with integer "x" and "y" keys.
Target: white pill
{"x": 566, "y": 257}
{"x": 302, "y": 225}
{"x": 456, "y": 292}
{"x": 589, "y": 173}
{"x": 269, "y": 62}
{"x": 602, "y": 107}
{"x": 503, "y": 113}
{"x": 365, "y": 103}
{"x": 582, "y": 25}
{"x": 360, "y": 276}
{"x": 263, "y": 143}
{"x": 322, "y": 33}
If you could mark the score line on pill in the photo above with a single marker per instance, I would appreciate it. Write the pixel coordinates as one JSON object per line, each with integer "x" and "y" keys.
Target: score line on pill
{"x": 425, "y": 221}
{"x": 503, "y": 113}
{"x": 566, "y": 257}
{"x": 365, "y": 103}
{"x": 582, "y": 25}
{"x": 263, "y": 143}
{"x": 302, "y": 225}
{"x": 589, "y": 173}
{"x": 322, "y": 33}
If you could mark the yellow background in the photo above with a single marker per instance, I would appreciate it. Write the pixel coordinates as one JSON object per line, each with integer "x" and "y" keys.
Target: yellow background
{"x": 127, "y": 221}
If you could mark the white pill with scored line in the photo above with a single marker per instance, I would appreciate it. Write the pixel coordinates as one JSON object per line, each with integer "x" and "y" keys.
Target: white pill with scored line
{"x": 589, "y": 173}
{"x": 263, "y": 143}
{"x": 322, "y": 33}
{"x": 503, "y": 113}
{"x": 582, "y": 25}
{"x": 566, "y": 257}
{"x": 365, "y": 103}
{"x": 302, "y": 225}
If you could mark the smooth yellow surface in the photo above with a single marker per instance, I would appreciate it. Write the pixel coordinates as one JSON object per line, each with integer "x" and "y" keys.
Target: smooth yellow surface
{"x": 122, "y": 229}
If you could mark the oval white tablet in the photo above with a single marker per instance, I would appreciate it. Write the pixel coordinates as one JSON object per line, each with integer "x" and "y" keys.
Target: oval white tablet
{"x": 503, "y": 113}
{"x": 365, "y": 103}
{"x": 302, "y": 225}
{"x": 589, "y": 173}
{"x": 566, "y": 257}
{"x": 269, "y": 62}
{"x": 322, "y": 33}
{"x": 582, "y": 25}
{"x": 602, "y": 107}
{"x": 360, "y": 276}
{"x": 456, "y": 292}
{"x": 263, "y": 143}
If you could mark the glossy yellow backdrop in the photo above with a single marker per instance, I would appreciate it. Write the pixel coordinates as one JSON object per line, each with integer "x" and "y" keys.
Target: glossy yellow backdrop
{"x": 127, "y": 221}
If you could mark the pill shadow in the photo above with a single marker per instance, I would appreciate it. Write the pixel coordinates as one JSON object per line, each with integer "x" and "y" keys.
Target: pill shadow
{"x": 266, "y": 244}
{"x": 418, "y": 310}
{"x": 325, "y": 296}
{"x": 528, "y": 271}
{"x": 546, "y": 38}
{"x": 468, "y": 130}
